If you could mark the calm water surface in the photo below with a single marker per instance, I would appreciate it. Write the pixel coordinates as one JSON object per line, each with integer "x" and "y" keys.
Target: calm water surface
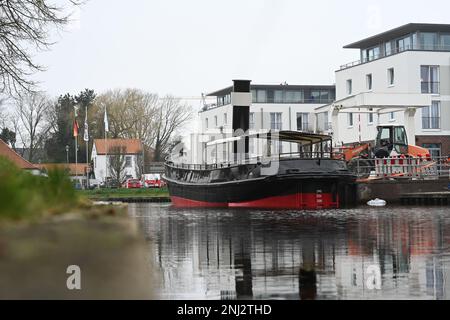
{"x": 253, "y": 254}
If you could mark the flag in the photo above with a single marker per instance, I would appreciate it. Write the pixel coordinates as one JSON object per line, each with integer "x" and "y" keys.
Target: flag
{"x": 106, "y": 122}
{"x": 86, "y": 130}
{"x": 75, "y": 128}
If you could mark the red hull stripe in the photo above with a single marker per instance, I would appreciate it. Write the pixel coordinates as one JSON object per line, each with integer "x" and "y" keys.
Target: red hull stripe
{"x": 188, "y": 203}
{"x": 294, "y": 201}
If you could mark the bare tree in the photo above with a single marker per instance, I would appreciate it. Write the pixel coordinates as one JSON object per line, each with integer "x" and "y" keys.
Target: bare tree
{"x": 26, "y": 24}
{"x": 134, "y": 114}
{"x": 129, "y": 113}
{"x": 29, "y": 121}
{"x": 171, "y": 116}
{"x": 117, "y": 163}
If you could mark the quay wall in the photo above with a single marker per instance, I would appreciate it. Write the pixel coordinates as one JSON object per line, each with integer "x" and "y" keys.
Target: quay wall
{"x": 391, "y": 190}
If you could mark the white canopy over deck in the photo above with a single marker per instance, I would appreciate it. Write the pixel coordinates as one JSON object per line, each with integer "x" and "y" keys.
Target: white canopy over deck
{"x": 378, "y": 103}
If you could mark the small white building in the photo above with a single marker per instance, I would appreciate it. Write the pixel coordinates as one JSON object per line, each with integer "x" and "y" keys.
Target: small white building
{"x": 103, "y": 151}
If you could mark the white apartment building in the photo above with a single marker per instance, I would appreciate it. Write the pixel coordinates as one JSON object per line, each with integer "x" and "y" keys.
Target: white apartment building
{"x": 402, "y": 77}
{"x": 279, "y": 107}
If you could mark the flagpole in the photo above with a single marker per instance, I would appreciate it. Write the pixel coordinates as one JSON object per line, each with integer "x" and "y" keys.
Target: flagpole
{"x": 86, "y": 138}
{"x": 106, "y": 125}
{"x": 75, "y": 125}
{"x": 76, "y": 156}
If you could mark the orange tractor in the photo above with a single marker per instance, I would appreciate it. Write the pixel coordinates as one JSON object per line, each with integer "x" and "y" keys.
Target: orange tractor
{"x": 391, "y": 141}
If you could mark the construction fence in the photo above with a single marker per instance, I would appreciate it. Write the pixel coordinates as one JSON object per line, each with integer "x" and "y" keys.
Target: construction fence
{"x": 402, "y": 167}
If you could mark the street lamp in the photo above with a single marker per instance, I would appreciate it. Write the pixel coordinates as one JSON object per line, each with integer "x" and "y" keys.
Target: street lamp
{"x": 67, "y": 153}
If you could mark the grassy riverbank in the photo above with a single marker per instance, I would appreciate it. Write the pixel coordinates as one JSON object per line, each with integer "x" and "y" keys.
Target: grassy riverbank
{"x": 24, "y": 196}
{"x": 47, "y": 226}
{"x": 124, "y": 193}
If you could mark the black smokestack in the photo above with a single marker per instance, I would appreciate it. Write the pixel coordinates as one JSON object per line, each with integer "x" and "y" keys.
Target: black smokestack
{"x": 241, "y": 100}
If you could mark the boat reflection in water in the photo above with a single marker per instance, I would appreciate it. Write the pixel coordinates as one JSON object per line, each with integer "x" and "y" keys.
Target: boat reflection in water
{"x": 253, "y": 254}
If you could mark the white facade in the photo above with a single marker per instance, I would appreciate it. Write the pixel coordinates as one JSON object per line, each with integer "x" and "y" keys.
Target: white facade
{"x": 407, "y": 69}
{"x": 415, "y": 77}
{"x": 102, "y": 170}
{"x": 265, "y": 113}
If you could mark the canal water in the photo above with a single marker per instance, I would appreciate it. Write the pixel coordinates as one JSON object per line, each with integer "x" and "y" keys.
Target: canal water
{"x": 362, "y": 253}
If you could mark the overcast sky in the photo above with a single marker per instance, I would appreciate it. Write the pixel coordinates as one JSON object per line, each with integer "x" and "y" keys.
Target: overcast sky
{"x": 185, "y": 48}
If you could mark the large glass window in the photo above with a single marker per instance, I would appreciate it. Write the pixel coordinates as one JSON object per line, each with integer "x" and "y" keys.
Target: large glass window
{"x": 261, "y": 96}
{"x": 275, "y": 121}
{"x": 315, "y": 96}
{"x": 404, "y": 44}
{"x": 324, "y": 96}
{"x": 429, "y": 78}
{"x": 293, "y": 96}
{"x": 278, "y": 96}
{"x": 302, "y": 121}
{"x": 372, "y": 53}
{"x": 428, "y": 40}
{"x": 445, "y": 41}
{"x": 388, "y": 48}
{"x": 431, "y": 116}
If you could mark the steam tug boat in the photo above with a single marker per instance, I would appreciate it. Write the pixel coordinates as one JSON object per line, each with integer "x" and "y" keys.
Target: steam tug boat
{"x": 310, "y": 178}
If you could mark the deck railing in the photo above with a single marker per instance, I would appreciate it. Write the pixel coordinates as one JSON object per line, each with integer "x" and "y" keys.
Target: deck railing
{"x": 418, "y": 47}
{"x": 302, "y": 155}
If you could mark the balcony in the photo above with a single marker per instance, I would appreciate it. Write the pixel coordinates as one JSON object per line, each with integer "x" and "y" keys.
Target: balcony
{"x": 438, "y": 48}
{"x": 431, "y": 122}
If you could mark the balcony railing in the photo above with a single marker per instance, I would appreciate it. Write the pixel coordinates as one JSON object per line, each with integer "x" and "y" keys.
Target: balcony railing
{"x": 420, "y": 47}
{"x": 430, "y": 87}
{"x": 431, "y": 122}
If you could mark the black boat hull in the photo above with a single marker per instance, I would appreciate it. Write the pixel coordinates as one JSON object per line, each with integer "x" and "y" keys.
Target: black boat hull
{"x": 329, "y": 187}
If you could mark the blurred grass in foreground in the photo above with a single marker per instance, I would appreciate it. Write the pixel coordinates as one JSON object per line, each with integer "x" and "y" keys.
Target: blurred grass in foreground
{"x": 124, "y": 193}
{"x": 25, "y": 196}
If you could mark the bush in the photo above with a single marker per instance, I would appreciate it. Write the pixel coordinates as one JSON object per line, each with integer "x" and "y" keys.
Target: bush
{"x": 23, "y": 195}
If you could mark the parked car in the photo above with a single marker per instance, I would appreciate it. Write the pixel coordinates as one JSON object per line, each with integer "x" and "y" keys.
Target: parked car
{"x": 111, "y": 184}
{"x": 94, "y": 184}
{"x": 132, "y": 184}
{"x": 152, "y": 181}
